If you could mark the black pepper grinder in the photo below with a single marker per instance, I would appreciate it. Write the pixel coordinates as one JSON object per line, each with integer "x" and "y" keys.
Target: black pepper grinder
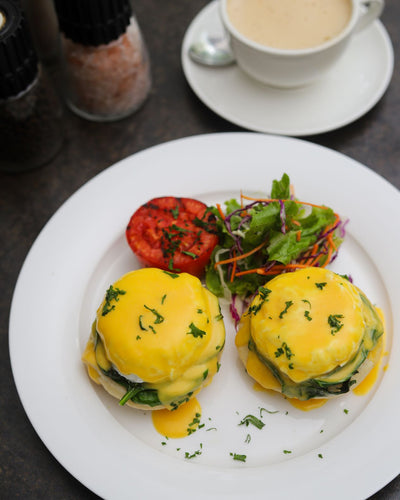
{"x": 106, "y": 65}
{"x": 30, "y": 110}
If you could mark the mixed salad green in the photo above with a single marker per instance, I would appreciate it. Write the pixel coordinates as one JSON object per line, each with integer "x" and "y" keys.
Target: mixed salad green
{"x": 260, "y": 238}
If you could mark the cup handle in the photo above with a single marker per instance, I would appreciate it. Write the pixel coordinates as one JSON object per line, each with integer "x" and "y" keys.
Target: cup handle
{"x": 370, "y": 10}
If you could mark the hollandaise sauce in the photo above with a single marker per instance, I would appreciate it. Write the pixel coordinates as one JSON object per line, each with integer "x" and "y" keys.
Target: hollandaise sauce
{"x": 178, "y": 423}
{"x": 156, "y": 342}
{"x": 311, "y": 335}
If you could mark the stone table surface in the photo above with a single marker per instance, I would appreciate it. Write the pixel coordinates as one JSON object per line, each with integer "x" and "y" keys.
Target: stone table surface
{"x": 28, "y": 200}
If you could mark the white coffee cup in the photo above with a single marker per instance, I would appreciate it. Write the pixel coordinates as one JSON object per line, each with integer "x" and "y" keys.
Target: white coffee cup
{"x": 297, "y": 67}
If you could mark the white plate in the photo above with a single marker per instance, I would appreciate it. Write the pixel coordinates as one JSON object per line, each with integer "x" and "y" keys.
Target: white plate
{"x": 352, "y": 87}
{"x": 114, "y": 450}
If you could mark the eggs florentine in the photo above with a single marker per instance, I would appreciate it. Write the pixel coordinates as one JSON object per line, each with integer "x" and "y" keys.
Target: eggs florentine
{"x": 309, "y": 334}
{"x": 156, "y": 340}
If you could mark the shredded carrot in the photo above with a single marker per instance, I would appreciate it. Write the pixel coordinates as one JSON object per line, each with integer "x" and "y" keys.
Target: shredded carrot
{"x": 270, "y": 200}
{"x": 241, "y": 256}
{"x": 233, "y": 274}
{"x": 274, "y": 270}
{"x": 221, "y": 213}
{"x": 319, "y": 255}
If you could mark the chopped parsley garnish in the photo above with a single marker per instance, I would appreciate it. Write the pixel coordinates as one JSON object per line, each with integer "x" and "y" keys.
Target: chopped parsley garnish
{"x": 320, "y": 286}
{"x": 285, "y": 349}
{"x": 196, "y": 332}
{"x": 163, "y": 298}
{"x": 335, "y": 323}
{"x": 219, "y": 317}
{"x": 111, "y": 294}
{"x": 287, "y": 452}
{"x": 268, "y": 411}
{"x": 195, "y": 422}
{"x": 320, "y": 455}
{"x": 288, "y": 303}
{"x": 307, "y": 315}
{"x": 236, "y": 456}
{"x": 175, "y": 212}
{"x": 346, "y": 411}
{"x": 190, "y": 254}
{"x": 251, "y": 419}
{"x": 192, "y": 455}
{"x": 142, "y": 327}
{"x": 159, "y": 318}
{"x": 171, "y": 275}
{"x": 263, "y": 294}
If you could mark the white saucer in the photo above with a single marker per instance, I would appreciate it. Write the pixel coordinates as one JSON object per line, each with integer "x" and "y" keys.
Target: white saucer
{"x": 351, "y": 89}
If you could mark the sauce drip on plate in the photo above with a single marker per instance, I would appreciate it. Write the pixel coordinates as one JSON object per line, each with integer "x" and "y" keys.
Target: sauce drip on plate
{"x": 178, "y": 423}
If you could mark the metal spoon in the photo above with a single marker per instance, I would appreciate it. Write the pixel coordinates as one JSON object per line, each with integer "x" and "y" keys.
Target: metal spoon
{"x": 211, "y": 50}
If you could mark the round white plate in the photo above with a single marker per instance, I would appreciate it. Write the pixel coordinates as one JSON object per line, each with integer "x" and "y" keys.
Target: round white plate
{"x": 115, "y": 450}
{"x": 352, "y": 87}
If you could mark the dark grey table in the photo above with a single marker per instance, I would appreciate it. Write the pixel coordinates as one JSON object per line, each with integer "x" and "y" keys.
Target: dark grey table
{"x": 27, "y": 201}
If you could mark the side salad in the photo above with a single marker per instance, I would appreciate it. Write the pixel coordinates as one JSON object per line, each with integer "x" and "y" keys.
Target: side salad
{"x": 260, "y": 238}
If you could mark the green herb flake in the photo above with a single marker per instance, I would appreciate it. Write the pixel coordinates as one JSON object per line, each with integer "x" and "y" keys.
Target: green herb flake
{"x": 288, "y": 304}
{"x": 271, "y": 412}
{"x": 112, "y": 294}
{"x": 320, "y": 455}
{"x": 346, "y": 411}
{"x": 196, "y": 332}
{"x": 287, "y": 452}
{"x": 141, "y": 326}
{"x": 284, "y": 349}
{"x": 335, "y": 323}
{"x": 163, "y": 298}
{"x": 192, "y": 455}
{"x": 321, "y": 286}
{"x": 240, "y": 458}
{"x": 219, "y": 317}
{"x": 171, "y": 275}
{"x": 190, "y": 254}
{"x": 175, "y": 212}
{"x": 251, "y": 419}
{"x": 159, "y": 318}
{"x": 264, "y": 293}
{"x": 307, "y": 315}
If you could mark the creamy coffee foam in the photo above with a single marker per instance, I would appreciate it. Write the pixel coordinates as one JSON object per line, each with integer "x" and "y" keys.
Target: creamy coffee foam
{"x": 289, "y": 24}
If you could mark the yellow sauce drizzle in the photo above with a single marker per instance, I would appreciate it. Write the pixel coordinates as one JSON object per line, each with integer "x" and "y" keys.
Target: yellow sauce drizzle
{"x": 176, "y": 423}
{"x": 308, "y": 405}
{"x": 376, "y": 356}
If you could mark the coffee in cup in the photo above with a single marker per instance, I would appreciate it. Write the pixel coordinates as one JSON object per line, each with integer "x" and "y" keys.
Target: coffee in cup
{"x": 291, "y": 43}
{"x": 289, "y": 24}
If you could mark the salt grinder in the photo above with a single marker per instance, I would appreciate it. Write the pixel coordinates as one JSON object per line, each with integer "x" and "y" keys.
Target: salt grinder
{"x": 105, "y": 61}
{"x": 30, "y": 110}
